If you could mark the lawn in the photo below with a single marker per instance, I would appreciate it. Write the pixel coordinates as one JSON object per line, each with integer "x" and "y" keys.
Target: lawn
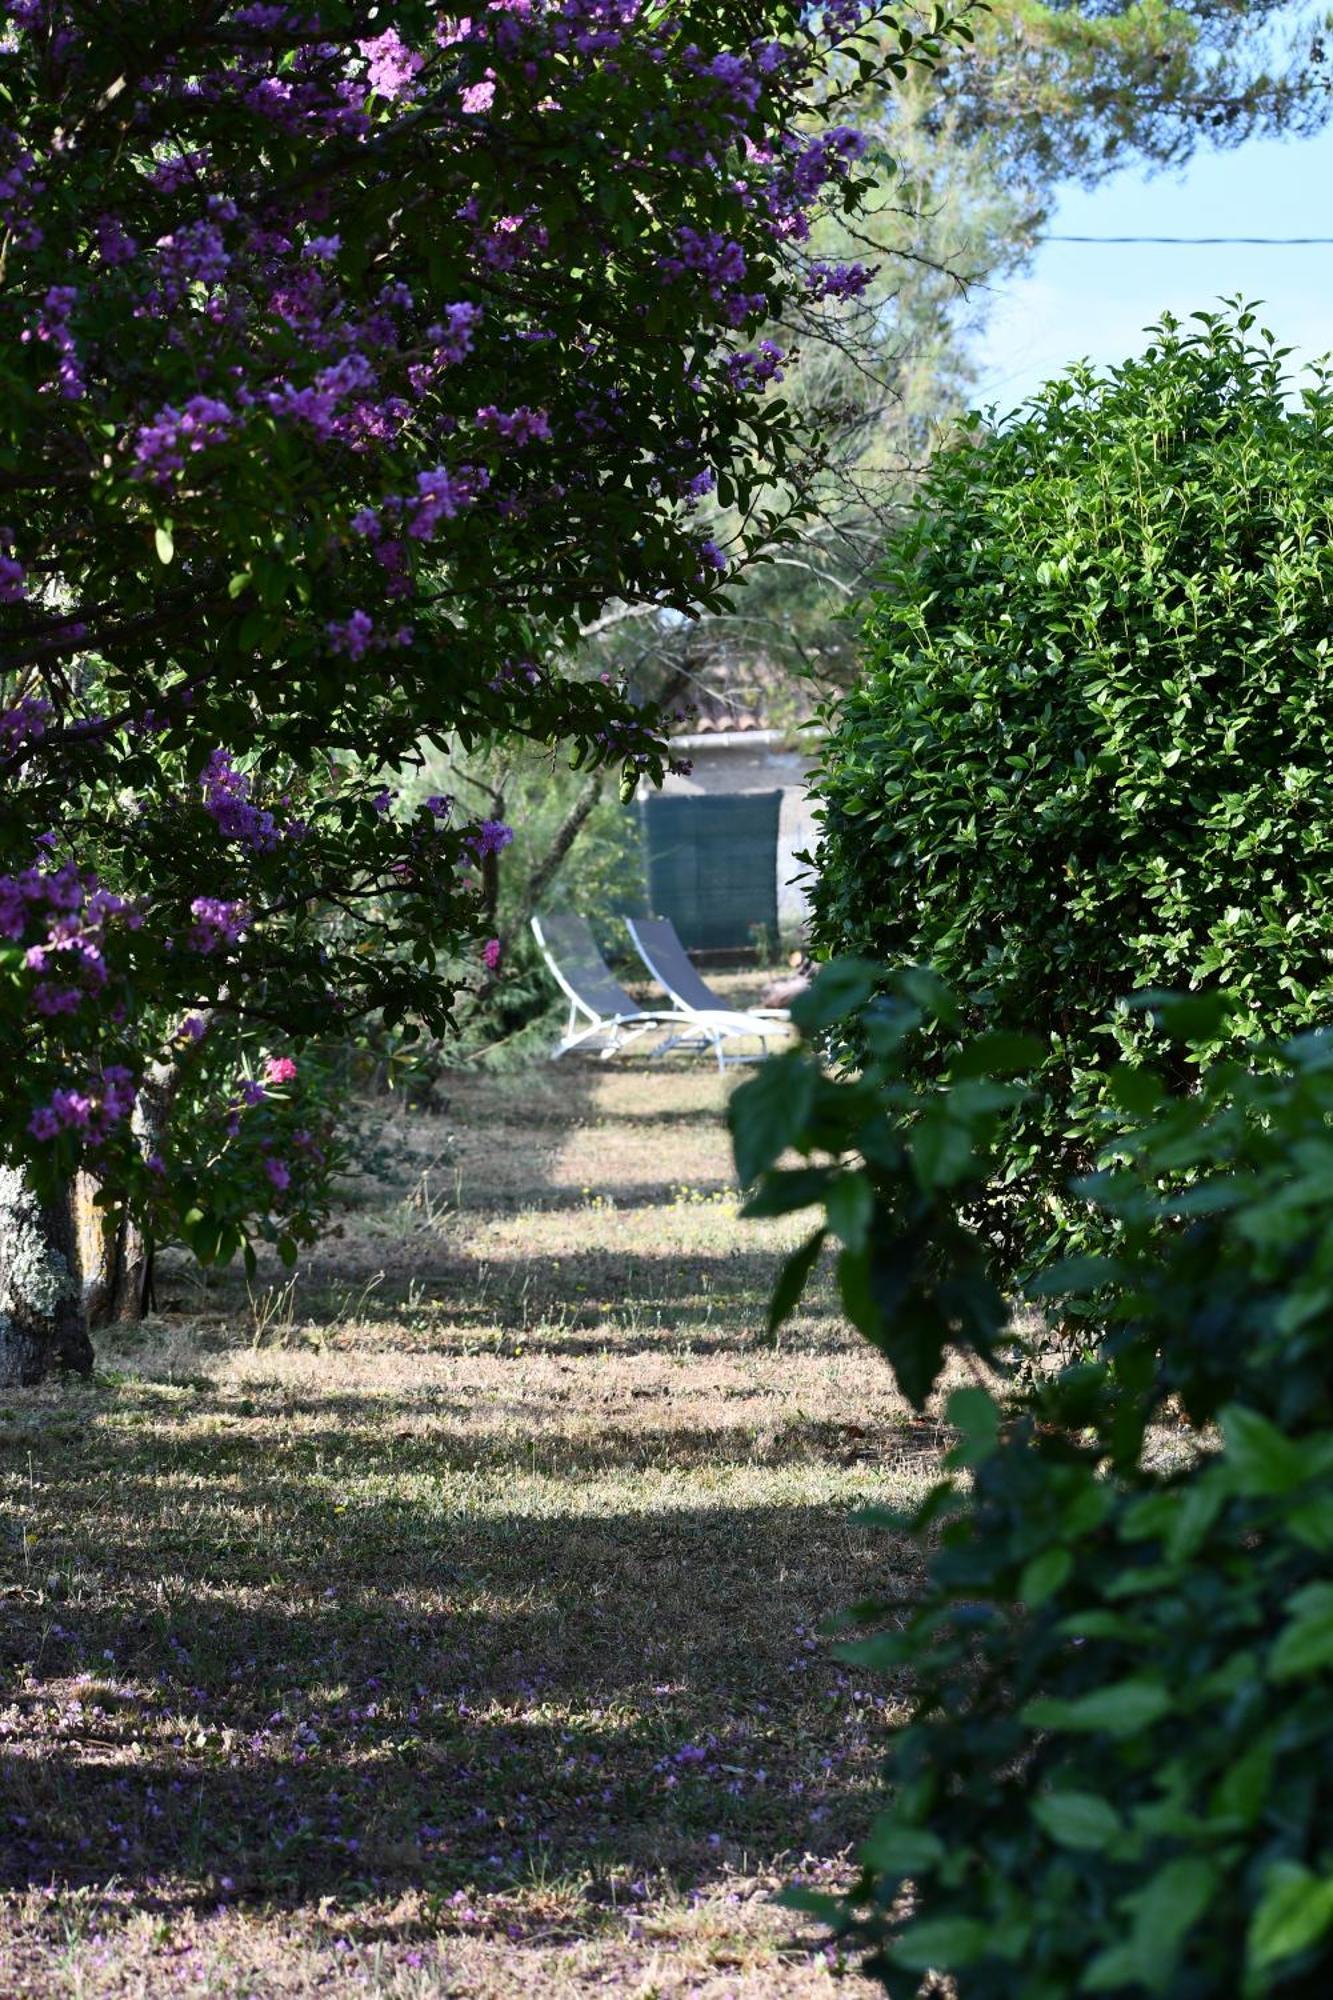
{"x": 446, "y": 1620}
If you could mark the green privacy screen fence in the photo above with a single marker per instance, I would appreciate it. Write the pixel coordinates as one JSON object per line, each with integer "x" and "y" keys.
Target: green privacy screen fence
{"x": 712, "y": 865}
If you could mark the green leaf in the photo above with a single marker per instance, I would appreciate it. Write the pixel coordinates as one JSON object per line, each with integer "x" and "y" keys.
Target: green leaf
{"x": 1196, "y": 1509}
{"x": 1136, "y": 1091}
{"x": 815, "y": 1903}
{"x": 940, "y": 1944}
{"x": 783, "y": 1190}
{"x": 1294, "y": 1911}
{"x": 895, "y": 1848}
{"x": 1082, "y": 1820}
{"x": 839, "y": 990}
{"x": 163, "y": 542}
{"x": 850, "y": 1206}
{"x": 1001, "y": 1052}
{"x": 976, "y": 1416}
{"x": 1187, "y": 1017}
{"x": 769, "y": 1113}
{"x": 941, "y": 1151}
{"x": 1071, "y": 1278}
{"x": 1122, "y": 1709}
{"x": 204, "y": 1238}
{"x": 793, "y": 1278}
{"x": 1242, "y": 1790}
{"x": 1305, "y": 1643}
{"x": 1162, "y": 1913}
{"x": 1261, "y": 1460}
{"x": 1044, "y": 1575}
{"x": 926, "y": 990}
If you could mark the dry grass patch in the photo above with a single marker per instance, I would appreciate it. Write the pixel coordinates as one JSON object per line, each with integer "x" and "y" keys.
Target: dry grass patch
{"x": 446, "y": 1620}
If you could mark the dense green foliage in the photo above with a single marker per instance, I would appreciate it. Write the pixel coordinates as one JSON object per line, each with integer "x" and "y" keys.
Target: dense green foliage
{"x": 1116, "y": 1777}
{"x": 1090, "y": 752}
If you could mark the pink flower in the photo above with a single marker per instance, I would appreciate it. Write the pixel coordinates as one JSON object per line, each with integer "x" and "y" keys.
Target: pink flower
{"x": 392, "y": 65}
{"x": 491, "y": 954}
{"x": 480, "y": 96}
{"x": 280, "y": 1069}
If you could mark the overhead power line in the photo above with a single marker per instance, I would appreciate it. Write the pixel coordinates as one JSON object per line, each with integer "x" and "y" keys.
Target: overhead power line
{"x": 1282, "y": 242}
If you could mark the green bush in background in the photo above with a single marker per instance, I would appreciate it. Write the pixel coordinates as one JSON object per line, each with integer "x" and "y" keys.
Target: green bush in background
{"x": 1092, "y": 750}
{"x": 1117, "y": 1773}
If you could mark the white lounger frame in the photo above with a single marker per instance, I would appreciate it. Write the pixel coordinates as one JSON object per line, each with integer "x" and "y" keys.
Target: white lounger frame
{"x": 695, "y": 1030}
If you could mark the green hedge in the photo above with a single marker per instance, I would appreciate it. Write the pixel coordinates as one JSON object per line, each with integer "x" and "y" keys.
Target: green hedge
{"x": 1092, "y": 749}
{"x": 1117, "y": 1775}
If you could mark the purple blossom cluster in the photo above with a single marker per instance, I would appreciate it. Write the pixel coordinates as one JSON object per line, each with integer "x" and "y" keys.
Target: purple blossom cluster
{"x": 356, "y": 635}
{"x": 719, "y": 261}
{"x": 67, "y": 915}
{"x": 520, "y": 426}
{"x": 13, "y": 576}
{"x": 161, "y": 447}
{"x": 218, "y": 924}
{"x": 839, "y": 281}
{"x": 92, "y": 1113}
{"x": 54, "y": 331}
{"x": 20, "y": 190}
{"x": 228, "y": 803}
{"x": 26, "y": 721}
{"x": 441, "y": 494}
{"x": 489, "y": 836}
{"x": 755, "y": 367}
{"x": 390, "y": 64}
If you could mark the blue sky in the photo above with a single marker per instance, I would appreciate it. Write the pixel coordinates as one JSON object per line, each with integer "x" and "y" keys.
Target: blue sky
{"x": 1086, "y": 300}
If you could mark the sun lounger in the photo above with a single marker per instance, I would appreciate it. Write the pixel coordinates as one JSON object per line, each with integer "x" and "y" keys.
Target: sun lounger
{"x": 666, "y": 958}
{"x": 599, "y": 1007}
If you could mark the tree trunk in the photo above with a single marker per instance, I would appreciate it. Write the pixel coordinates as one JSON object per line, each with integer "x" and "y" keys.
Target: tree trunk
{"x": 42, "y": 1321}
{"x": 116, "y": 1256}
{"x": 542, "y": 876}
{"x": 115, "y": 1260}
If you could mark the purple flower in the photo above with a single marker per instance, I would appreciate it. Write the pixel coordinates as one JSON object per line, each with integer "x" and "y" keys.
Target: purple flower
{"x": 26, "y": 721}
{"x": 352, "y": 636}
{"x": 492, "y": 836}
{"x": 161, "y": 447}
{"x": 838, "y": 281}
{"x": 227, "y": 801}
{"x": 217, "y": 924}
{"x": 440, "y": 495}
{"x": 521, "y": 426}
{"x": 12, "y": 585}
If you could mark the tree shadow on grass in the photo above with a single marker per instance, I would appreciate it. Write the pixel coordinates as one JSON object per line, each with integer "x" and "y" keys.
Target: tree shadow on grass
{"x": 405, "y": 1695}
{"x": 544, "y": 1294}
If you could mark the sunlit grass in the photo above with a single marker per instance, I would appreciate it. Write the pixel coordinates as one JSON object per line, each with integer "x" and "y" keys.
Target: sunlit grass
{"x": 446, "y": 1619}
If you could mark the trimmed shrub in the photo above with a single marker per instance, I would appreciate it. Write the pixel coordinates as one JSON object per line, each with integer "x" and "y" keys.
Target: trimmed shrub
{"x": 1092, "y": 751}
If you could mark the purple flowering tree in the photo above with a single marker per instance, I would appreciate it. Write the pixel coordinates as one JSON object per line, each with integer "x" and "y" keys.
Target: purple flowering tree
{"x": 347, "y": 354}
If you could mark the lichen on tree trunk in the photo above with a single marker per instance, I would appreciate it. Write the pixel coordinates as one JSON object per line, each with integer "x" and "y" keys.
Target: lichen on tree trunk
{"x": 42, "y": 1321}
